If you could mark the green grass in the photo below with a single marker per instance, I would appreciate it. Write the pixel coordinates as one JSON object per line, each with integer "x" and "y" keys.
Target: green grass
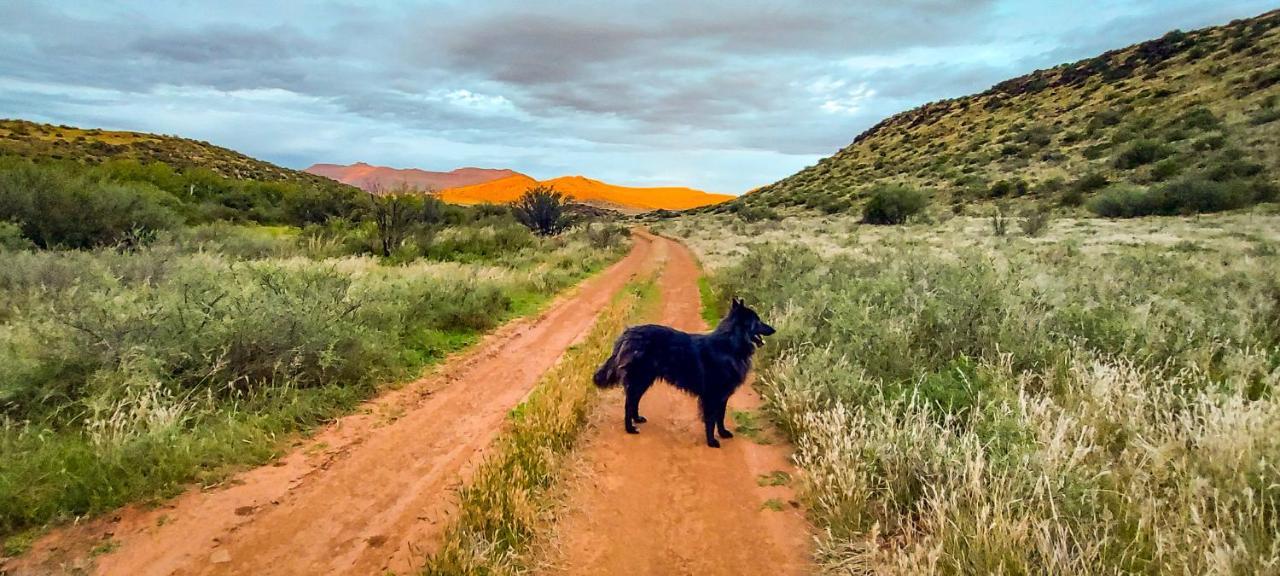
{"x": 773, "y": 504}
{"x": 749, "y": 425}
{"x": 712, "y": 304}
{"x": 775, "y": 478}
{"x": 502, "y": 510}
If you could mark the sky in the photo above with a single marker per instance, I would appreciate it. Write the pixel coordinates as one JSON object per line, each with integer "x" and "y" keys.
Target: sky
{"x": 723, "y": 96}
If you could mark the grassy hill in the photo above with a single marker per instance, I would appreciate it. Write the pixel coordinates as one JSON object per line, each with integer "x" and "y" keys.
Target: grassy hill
{"x": 37, "y": 141}
{"x": 1199, "y": 104}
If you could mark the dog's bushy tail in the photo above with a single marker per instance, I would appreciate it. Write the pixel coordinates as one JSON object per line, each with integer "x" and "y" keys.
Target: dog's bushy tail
{"x": 608, "y": 374}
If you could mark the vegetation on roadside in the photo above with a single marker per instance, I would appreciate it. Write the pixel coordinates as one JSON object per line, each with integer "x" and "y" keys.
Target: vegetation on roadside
{"x": 1100, "y": 399}
{"x": 162, "y": 326}
{"x": 508, "y": 499}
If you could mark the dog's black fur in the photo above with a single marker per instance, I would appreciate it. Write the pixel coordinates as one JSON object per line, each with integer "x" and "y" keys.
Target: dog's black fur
{"x": 710, "y": 366}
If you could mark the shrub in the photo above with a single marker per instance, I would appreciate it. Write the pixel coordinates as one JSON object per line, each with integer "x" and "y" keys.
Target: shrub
{"x": 1166, "y": 169}
{"x": 751, "y": 213}
{"x": 1185, "y": 196}
{"x": 605, "y": 235}
{"x": 394, "y": 215}
{"x": 1035, "y": 221}
{"x": 1121, "y": 201}
{"x": 1090, "y": 182}
{"x": 1231, "y": 165}
{"x": 57, "y": 209}
{"x": 1003, "y": 188}
{"x": 999, "y": 222}
{"x": 893, "y": 205}
{"x": 11, "y": 237}
{"x": 541, "y": 209}
{"x": 1209, "y": 142}
{"x": 1200, "y": 118}
{"x": 1141, "y": 152}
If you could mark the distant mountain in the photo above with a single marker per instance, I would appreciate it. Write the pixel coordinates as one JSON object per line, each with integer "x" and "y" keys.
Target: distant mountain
{"x": 375, "y": 178}
{"x": 1203, "y": 103}
{"x": 485, "y": 185}
{"x": 587, "y": 191}
{"x": 43, "y": 142}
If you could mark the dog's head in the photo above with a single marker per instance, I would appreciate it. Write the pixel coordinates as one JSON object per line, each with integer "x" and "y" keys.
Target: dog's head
{"x": 747, "y": 322}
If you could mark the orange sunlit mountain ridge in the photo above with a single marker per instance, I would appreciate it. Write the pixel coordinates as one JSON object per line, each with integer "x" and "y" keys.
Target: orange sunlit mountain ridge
{"x": 502, "y": 186}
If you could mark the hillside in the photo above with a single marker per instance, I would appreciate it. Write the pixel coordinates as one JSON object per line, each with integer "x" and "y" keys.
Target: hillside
{"x": 1202, "y": 102}
{"x": 373, "y": 178}
{"x": 93, "y": 146}
{"x": 587, "y": 191}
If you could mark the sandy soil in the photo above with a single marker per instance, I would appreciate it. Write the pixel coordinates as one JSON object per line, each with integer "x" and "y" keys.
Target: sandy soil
{"x": 662, "y": 502}
{"x": 368, "y": 494}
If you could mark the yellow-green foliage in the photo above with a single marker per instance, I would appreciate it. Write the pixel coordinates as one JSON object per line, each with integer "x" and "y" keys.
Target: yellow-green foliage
{"x": 1195, "y": 99}
{"x": 92, "y": 146}
{"x": 507, "y": 500}
{"x": 1101, "y": 399}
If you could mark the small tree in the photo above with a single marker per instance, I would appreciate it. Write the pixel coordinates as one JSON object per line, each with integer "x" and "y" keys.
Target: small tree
{"x": 541, "y": 209}
{"x": 395, "y": 213}
{"x": 893, "y": 205}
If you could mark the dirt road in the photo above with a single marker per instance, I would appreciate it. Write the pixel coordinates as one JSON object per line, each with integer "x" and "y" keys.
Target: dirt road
{"x": 663, "y": 503}
{"x": 359, "y": 496}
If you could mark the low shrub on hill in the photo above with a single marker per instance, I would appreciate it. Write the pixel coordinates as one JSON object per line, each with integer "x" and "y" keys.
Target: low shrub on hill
{"x": 1184, "y": 196}
{"x": 893, "y": 205}
{"x": 1141, "y": 152}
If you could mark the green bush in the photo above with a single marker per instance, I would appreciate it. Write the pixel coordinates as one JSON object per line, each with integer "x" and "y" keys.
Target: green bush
{"x": 11, "y": 237}
{"x": 1185, "y": 196}
{"x": 1141, "y": 152}
{"x": 1166, "y": 169}
{"x": 1091, "y": 182}
{"x": 893, "y": 205}
{"x": 1006, "y": 188}
{"x": 56, "y": 209}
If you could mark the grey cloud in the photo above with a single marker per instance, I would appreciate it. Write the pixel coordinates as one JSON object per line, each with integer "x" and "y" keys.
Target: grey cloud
{"x": 225, "y": 44}
{"x": 583, "y": 78}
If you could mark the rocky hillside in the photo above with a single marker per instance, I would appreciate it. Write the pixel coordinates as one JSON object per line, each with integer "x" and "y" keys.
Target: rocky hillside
{"x": 93, "y": 146}
{"x": 1202, "y": 102}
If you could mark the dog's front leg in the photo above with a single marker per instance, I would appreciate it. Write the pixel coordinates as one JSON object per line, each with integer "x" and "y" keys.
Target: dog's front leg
{"x": 724, "y": 407}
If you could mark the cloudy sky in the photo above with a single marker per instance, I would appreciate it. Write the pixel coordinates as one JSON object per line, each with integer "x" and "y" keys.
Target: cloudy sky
{"x": 724, "y": 96}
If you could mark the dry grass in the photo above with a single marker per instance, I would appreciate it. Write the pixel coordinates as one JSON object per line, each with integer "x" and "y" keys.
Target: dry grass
{"x": 1101, "y": 399}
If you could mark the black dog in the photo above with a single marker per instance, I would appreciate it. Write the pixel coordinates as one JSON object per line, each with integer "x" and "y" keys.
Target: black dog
{"x": 709, "y": 366}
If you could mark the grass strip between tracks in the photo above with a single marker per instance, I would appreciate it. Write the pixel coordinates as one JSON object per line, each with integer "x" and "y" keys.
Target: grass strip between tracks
{"x": 505, "y": 504}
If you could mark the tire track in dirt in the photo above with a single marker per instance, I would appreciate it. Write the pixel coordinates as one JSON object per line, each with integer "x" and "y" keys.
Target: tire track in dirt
{"x": 372, "y": 492}
{"x": 662, "y": 502}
